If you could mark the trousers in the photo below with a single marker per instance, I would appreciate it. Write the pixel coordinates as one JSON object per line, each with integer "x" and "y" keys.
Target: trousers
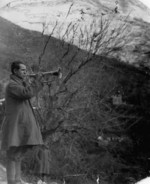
{"x": 13, "y": 167}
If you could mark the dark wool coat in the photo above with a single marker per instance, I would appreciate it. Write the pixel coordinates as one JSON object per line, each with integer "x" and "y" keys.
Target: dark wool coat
{"x": 20, "y": 126}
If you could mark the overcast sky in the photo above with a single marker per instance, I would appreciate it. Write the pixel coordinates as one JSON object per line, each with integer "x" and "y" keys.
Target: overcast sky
{"x": 146, "y": 2}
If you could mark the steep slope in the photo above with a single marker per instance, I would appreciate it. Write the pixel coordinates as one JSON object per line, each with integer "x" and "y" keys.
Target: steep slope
{"x": 44, "y": 15}
{"x": 18, "y": 43}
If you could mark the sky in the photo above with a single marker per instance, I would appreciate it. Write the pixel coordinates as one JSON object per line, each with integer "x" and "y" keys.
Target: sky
{"x": 146, "y": 2}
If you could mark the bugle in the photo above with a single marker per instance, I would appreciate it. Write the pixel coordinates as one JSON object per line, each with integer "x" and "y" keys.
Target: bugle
{"x": 52, "y": 73}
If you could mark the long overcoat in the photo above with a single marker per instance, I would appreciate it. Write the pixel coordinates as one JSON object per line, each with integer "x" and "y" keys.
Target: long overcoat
{"x": 20, "y": 126}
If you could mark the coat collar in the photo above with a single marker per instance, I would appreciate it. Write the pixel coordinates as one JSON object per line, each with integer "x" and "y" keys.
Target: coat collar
{"x": 16, "y": 79}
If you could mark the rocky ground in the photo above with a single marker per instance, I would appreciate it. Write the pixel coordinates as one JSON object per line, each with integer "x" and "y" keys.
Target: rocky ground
{"x": 3, "y": 178}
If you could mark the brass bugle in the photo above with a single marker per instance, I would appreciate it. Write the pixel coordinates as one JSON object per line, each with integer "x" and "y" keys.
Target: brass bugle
{"x": 54, "y": 73}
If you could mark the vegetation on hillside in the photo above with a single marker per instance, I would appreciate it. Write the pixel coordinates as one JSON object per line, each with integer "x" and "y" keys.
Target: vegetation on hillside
{"x": 94, "y": 120}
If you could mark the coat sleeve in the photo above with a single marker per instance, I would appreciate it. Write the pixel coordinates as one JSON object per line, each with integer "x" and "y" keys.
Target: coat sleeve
{"x": 24, "y": 92}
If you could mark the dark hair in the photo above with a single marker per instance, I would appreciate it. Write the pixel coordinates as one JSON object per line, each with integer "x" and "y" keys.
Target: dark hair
{"x": 15, "y": 65}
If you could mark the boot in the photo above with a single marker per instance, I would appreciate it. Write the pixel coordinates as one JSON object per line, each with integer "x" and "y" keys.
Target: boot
{"x": 10, "y": 168}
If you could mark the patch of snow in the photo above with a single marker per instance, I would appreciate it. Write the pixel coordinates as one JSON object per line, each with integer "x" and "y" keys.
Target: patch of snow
{"x": 144, "y": 181}
{"x": 28, "y": 12}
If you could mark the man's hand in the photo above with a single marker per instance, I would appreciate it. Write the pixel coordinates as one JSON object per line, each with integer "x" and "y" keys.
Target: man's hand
{"x": 27, "y": 80}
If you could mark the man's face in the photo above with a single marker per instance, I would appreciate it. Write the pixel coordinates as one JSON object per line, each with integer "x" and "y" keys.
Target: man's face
{"x": 21, "y": 72}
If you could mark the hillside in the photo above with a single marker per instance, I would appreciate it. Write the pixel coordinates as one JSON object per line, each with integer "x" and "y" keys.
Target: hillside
{"x": 79, "y": 107}
{"x": 18, "y": 43}
{"x": 43, "y": 16}
{"x": 86, "y": 132}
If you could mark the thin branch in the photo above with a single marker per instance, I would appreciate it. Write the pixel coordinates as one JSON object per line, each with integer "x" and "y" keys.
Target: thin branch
{"x": 46, "y": 44}
{"x": 69, "y": 10}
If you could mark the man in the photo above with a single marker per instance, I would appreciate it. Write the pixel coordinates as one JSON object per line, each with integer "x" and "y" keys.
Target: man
{"x": 20, "y": 130}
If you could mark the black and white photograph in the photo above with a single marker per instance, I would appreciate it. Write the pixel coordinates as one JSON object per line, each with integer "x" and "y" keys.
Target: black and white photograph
{"x": 74, "y": 91}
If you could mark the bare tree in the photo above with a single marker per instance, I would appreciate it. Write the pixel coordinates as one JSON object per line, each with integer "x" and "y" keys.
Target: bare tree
{"x": 77, "y": 111}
